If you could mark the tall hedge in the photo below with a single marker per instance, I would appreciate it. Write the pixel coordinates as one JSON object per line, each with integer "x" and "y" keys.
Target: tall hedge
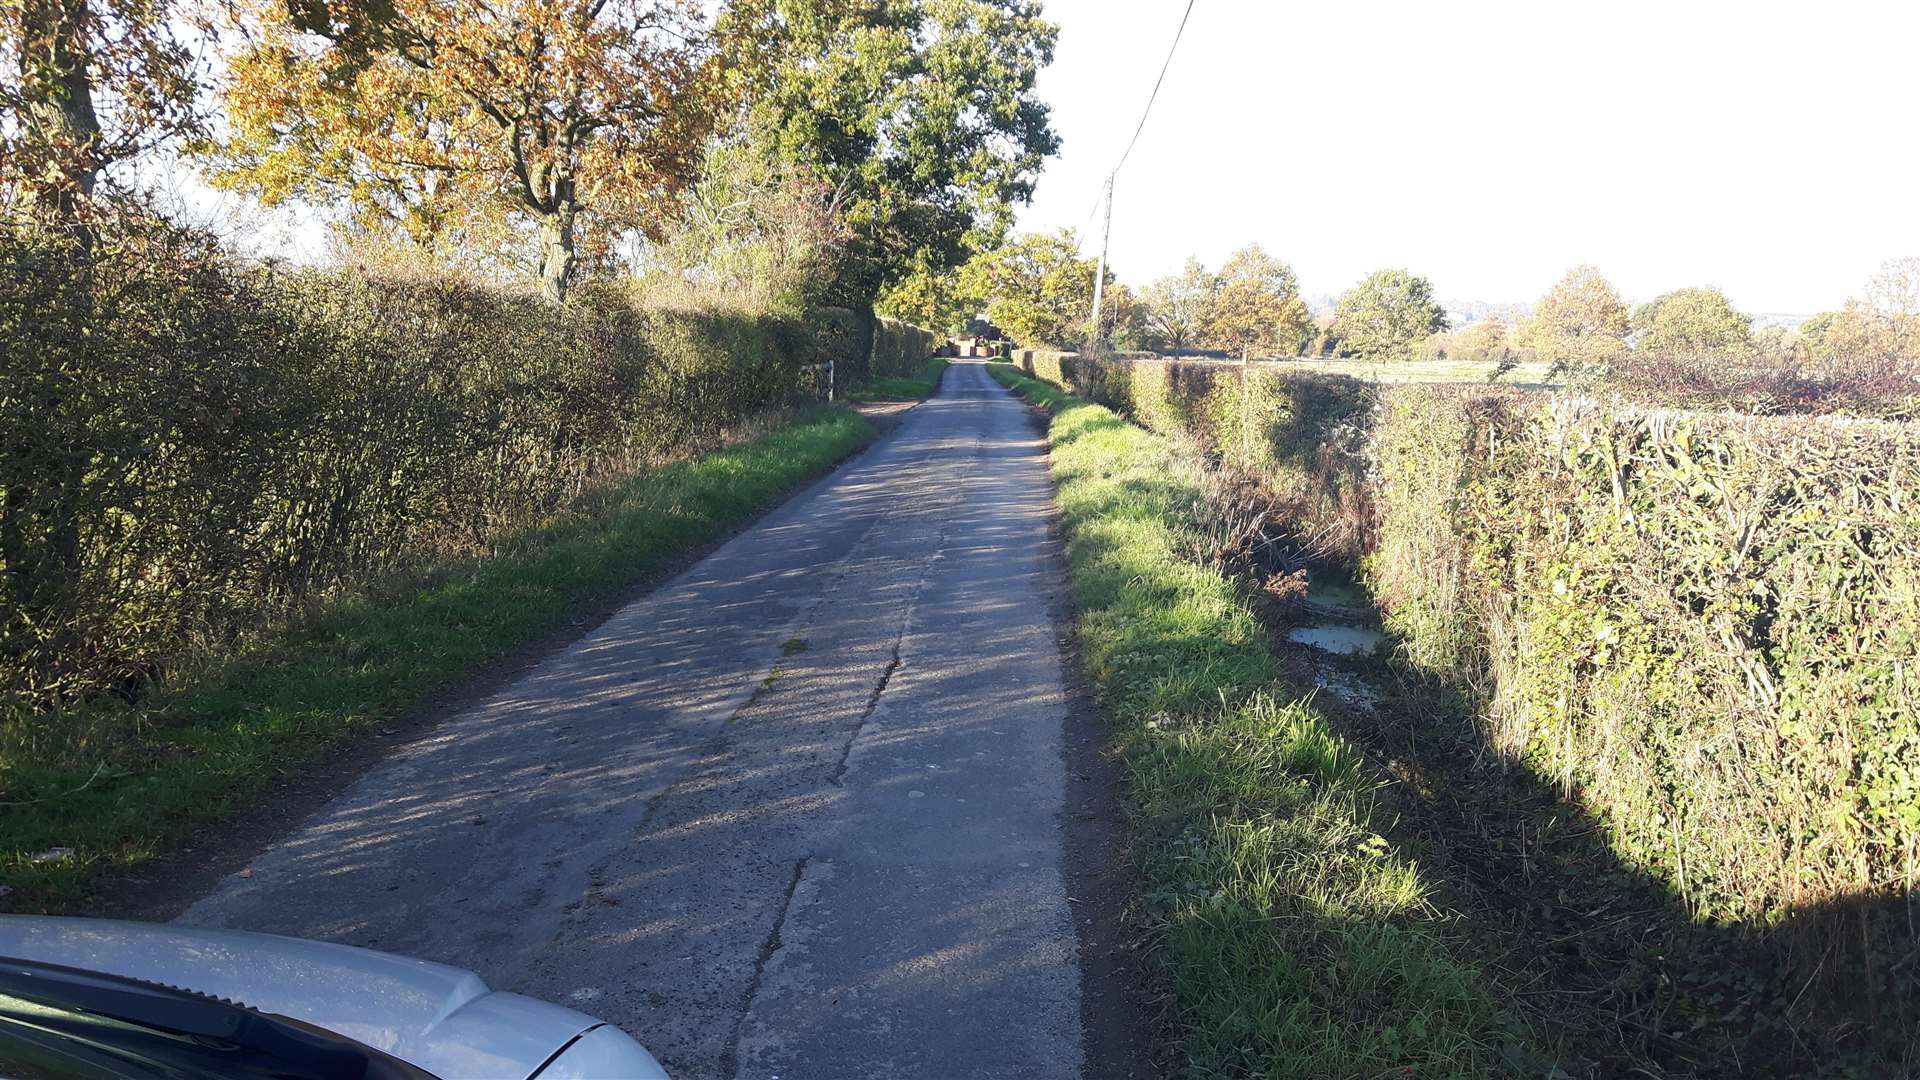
{"x": 1050, "y": 364}
{"x": 900, "y": 348}
{"x": 1705, "y": 626}
{"x": 865, "y": 346}
{"x": 184, "y": 441}
{"x": 1303, "y": 434}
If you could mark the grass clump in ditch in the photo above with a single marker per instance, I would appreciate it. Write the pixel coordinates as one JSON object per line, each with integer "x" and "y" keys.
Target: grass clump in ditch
{"x": 902, "y": 387}
{"x": 1295, "y": 940}
{"x": 143, "y": 779}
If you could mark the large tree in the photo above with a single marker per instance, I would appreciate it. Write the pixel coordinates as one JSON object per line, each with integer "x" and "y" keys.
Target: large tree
{"x": 1580, "y": 325}
{"x": 413, "y": 110}
{"x": 84, "y": 84}
{"x": 1698, "y": 322}
{"x": 1037, "y": 288}
{"x": 1256, "y": 306}
{"x": 1487, "y": 339}
{"x": 1895, "y": 288}
{"x": 921, "y": 115}
{"x": 1174, "y": 308}
{"x": 748, "y": 232}
{"x": 1122, "y": 320}
{"x": 1387, "y": 316}
{"x": 1883, "y": 329}
{"x": 932, "y": 297}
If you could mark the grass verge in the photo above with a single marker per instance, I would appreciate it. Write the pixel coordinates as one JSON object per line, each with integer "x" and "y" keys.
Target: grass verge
{"x": 902, "y": 388}
{"x": 1294, "y": 938}
{"x": 90, "y": 806}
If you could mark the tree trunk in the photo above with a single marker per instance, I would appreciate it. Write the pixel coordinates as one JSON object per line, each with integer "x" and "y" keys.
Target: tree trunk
{"x": 55, "y": 52}
{"x": 63, "y": 159}
{"x": 556, "y": 252}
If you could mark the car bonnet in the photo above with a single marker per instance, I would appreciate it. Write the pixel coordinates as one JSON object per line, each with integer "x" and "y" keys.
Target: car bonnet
{"x": 442, "y": 1019}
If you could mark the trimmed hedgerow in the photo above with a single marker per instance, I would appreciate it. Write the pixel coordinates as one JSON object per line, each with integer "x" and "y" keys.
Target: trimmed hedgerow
{"x": 1303, "y": 434}
{"x": 867, "y": 347}
{"x": 1061, "y": 368}
{"x": 899, "y": 349}
{"x": 1046, "y": 364}
{"x": 103, "y": 788}
{"x": 185, "y": 442}
{"x": 1705, "y": 626}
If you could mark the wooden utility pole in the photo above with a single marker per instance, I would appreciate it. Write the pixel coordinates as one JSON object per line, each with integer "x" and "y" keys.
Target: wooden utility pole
{"x": 1100, "y": 274}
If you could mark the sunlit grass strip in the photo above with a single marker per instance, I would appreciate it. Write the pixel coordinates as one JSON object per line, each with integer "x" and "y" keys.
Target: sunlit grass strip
{"x": 216, "y": 746}
{"x": 1296, "y": 941}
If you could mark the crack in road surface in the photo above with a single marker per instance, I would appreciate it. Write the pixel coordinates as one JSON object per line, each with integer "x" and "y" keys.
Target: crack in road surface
{"x": 730, "y": 1061}
{"x": 838, "y": 779}
{"x": 893, "y": 665}
{"x": 851, "y": 870}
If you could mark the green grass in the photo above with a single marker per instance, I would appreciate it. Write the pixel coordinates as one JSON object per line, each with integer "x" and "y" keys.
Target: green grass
{"x": 902, "y": 388}
{"x": 1294, "y": 938}
{"x": 144, "y": 780}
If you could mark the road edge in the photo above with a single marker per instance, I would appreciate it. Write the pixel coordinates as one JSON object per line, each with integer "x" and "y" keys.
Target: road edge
{"x": 1122, "y": 1027}
{"x": 160, "y": 889}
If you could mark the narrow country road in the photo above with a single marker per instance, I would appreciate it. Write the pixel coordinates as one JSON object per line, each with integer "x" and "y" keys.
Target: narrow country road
{"x": 796, "y": 813}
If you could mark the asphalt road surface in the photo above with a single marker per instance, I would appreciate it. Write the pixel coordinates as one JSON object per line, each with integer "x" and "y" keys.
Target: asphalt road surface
{"x": 796, "y": 813}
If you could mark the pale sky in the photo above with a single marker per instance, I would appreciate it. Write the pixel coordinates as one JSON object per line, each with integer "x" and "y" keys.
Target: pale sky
{"x": 1771, "y": 149}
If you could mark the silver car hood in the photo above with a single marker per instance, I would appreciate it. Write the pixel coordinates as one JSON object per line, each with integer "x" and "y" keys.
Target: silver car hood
{"x": 443, "y": 1019}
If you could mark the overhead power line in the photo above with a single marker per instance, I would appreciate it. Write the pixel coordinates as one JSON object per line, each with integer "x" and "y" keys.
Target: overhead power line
{"x": 1106, "y": 230}
{"x": 1080, "y": 234}
{"x": 1151, "y": 98}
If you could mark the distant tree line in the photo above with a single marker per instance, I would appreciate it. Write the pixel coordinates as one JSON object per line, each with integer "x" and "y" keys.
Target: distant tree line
{"x": 1039, "y": 288}
{"x": 1583, "y": 329}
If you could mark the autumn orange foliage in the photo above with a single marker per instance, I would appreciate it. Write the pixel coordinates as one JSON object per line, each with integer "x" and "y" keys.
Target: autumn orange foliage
{"x": 418, "y": 113}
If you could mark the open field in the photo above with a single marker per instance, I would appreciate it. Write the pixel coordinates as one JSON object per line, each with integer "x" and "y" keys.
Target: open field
{"x": 1411, "y": 371}
{"x": 1430, "y": 371}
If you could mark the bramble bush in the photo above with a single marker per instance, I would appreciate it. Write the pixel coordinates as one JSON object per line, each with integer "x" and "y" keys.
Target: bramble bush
{"x": 1704, "y": 626}
{"x": 186, "y": 442}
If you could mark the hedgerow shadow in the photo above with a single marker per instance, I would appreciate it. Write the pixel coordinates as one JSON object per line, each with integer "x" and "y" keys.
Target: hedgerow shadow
{"x": 1605, "y": 957}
